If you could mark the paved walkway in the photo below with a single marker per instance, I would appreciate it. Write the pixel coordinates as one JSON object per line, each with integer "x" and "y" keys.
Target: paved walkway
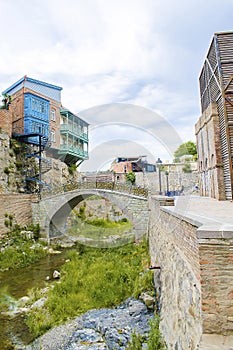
{"x": 212, "y": 217}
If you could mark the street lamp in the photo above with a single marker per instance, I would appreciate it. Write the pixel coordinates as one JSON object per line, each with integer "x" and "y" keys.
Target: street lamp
{"x": 160, "y": 181}
{"x": 159, "y": 163}
{"x": 167, "y": 173}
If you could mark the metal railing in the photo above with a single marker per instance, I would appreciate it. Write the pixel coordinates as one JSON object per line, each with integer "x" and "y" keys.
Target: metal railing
{"x": 99, "y": 185}
{"x": 74, "y": 130}
{"x": 74, "y": 150}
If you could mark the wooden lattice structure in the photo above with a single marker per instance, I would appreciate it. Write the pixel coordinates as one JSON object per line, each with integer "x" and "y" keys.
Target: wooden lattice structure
{"x": 216, "y": 86}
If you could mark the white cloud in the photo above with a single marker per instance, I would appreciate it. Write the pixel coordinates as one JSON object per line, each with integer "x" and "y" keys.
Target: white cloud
{"x": 147, "y": 53}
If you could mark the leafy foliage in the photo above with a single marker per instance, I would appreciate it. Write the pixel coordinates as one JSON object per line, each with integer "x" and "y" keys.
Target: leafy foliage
{"x": 130, "y": 177}
{"x": 18, "y": 250}
{"x": 188, "y": 147}
{"x": 6, "y": 101}
{"x": 72, "y": 168}
{"x": 136, "y": 342}
{"x": 155, "y": 340}
{"x": 187, "y": 168}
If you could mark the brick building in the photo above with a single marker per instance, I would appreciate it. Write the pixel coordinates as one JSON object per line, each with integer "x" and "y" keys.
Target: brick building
{"x": 214, "y": 129}
{"x": 123, "y": 165}
{"x": 33, "y": 114}
{"x": 36, "y": 111}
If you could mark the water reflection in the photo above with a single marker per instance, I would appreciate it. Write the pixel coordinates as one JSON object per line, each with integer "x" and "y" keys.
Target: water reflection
{"x": 17, "y": 283}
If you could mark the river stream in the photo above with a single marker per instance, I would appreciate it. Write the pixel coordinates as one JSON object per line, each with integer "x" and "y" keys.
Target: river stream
{"x": 17, "y": 283}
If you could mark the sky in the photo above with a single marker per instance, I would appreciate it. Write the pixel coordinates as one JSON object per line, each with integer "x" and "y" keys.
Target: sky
{"x": 130, "y": 68}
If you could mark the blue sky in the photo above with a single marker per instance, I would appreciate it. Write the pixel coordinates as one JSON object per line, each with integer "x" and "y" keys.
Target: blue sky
{"x": 105, "y": 52}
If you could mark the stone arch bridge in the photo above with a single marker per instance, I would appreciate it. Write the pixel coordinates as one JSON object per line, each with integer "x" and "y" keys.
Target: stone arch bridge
{"x": 52, "y": 211}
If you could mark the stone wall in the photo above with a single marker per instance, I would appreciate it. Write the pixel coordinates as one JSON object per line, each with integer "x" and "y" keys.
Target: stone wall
{"x": 11, "y": 179}
{"x": 174, "y": 248}
{"x": 209, "y": 154}
{"x": 18, "y": 205}
{"x": 176, "y": 181}
{"x": 196, "y": 264}
{"x": 56, "y": 209}
{"x": 216, "y": 264}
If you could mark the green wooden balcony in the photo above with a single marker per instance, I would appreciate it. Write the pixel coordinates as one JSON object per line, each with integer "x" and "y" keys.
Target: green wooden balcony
{"x": 67, "y": 128}
{"x": 73, "y": 151}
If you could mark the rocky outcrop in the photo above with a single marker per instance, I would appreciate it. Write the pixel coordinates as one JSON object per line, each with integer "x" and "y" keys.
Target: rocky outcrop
{"x": 11, "y": 179}
{"x": 99, "y": 329}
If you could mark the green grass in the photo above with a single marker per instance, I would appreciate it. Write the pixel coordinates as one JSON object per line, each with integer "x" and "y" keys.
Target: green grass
{"x": 99, "y": 228}
{"x": 18, "y": 251}
{"x": 21, "y": 255}
{"x": 93, "y": 278}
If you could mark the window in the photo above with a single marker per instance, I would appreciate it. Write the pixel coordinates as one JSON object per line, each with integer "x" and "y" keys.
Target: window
{"x": 53, "y": 115}
{"x": 53, "y": 136}
{"x": 38, "y": 106}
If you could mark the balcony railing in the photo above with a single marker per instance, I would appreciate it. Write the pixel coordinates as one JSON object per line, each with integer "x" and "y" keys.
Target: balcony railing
{"x": 99, "y": 185}
{"x": 73, "y": 130}
{"x": 76, "y": 151}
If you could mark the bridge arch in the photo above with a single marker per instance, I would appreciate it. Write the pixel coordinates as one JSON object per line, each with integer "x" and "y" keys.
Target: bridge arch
{"x": 54, "y": 211}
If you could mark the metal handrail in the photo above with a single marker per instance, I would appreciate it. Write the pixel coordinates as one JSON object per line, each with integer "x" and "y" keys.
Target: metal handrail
{"x": 101, "y": 185}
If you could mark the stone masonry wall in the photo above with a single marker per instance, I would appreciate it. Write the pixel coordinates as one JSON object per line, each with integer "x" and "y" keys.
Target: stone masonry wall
{"x": 174, "y": 249}
{"x": 216, "y": 263}
{"x": 176, "y": 180}
{"x": 209, "y": 154}
{"x": 18, "y": 205}
{"x": 132, "y": 207}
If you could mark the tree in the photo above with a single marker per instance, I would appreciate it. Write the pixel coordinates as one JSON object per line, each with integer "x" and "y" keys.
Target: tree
{"x": 6, "y": 101}
{"x": 187, "y": 148}
{"x": 130, "y": 178}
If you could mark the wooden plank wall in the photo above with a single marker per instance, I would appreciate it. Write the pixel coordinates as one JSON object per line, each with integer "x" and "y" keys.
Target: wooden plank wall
{"x": 216, "y": 85}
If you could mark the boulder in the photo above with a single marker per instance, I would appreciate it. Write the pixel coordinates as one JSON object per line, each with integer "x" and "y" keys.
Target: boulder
{"x": 56, "y": 274}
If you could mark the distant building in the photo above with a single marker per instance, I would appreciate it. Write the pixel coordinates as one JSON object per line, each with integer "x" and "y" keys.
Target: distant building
{"x": 38, "y": 115}
{"x": 214, "y": 129}
{"x": 123, "y": 165}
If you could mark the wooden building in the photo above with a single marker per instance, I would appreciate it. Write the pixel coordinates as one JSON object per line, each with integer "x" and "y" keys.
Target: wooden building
{"x": 214, "y": 129}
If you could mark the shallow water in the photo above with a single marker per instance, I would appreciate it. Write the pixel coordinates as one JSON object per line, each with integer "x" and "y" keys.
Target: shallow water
{"x": 18, "y": 282}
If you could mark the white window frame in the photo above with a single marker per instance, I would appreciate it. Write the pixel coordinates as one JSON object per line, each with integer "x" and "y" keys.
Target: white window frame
{"x": 53, "y": 135}
{"x": 53, "y": 114}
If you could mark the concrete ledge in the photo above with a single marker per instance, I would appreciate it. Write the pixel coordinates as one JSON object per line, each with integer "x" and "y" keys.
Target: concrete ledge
{"x": 215, "y": 231}
{"x": 164, "y": 200}
{"x": 216, "y": 342}
{"x": 191, "y": 220}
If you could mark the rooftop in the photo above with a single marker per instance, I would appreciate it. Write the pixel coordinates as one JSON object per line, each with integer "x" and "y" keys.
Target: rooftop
{"x": 39, "y": 82}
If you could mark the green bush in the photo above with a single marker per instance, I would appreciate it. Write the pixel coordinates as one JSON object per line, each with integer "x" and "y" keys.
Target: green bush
{"x": 6, "y": 170}
{"x": 136, "y": 342}
{"x": 130, "y": 178}
{"x": 123, "y": 220}
{"x": 155, "y": 340}
{"x": 18, "y": 251}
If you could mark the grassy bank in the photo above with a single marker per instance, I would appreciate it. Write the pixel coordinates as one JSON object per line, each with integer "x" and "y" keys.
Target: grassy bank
{"x": 99, "y": 228}
{"x": 20, "y": 247}
{"x": 94, "y": 278}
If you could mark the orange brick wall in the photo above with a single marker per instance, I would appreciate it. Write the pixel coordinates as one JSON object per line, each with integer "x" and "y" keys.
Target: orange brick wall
{"x": 122, "y": 167}
{"x": 216, "y": 264}
{"x": 18, "y": 205}
{"x": 6, "y": 121}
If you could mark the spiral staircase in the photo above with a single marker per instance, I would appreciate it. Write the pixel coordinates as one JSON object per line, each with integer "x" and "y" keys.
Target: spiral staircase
{"x": 36, "y": 144}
